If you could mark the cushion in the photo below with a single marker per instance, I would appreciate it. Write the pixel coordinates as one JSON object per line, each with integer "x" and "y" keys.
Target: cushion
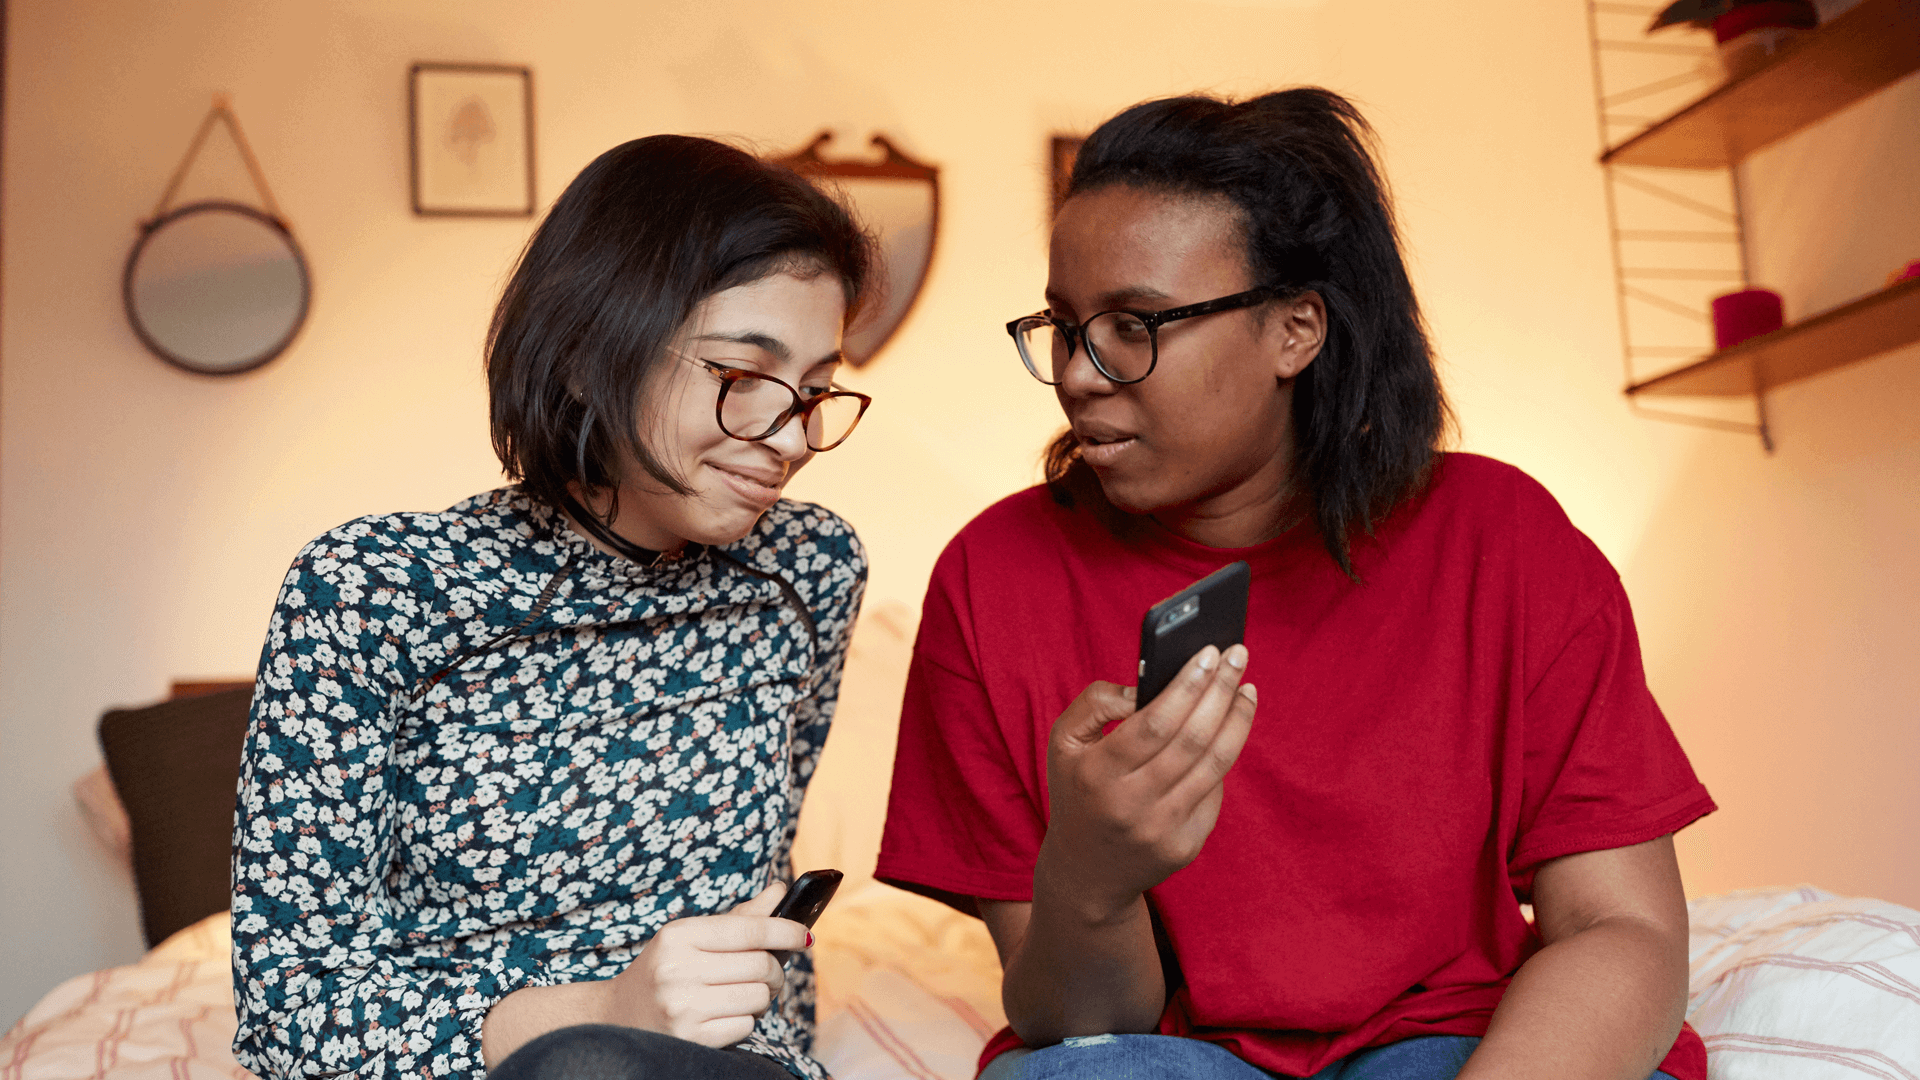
{"x": 892, "y": 1027}
{"x": 908, "y": 987}
{"x": 1804, "y": 984}
{"x": 176, "y": 766}
{"x": 847, "y": 799}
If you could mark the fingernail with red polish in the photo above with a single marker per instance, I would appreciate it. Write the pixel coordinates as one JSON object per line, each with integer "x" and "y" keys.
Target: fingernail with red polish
{"x": 809, "y": 943}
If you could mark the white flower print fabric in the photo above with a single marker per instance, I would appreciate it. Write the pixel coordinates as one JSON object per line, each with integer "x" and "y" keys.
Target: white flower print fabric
{"x": 485, "y": 755}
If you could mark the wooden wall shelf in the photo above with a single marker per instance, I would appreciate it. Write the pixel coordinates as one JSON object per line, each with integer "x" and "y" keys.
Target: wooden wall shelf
{"x": 1869, "y": 326}
{"x": 1872, "y": 45}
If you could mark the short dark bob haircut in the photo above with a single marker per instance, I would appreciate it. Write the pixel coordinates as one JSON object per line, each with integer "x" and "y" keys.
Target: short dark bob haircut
{"x": 644, "y": 234}
{"x": 1368, "y": 413}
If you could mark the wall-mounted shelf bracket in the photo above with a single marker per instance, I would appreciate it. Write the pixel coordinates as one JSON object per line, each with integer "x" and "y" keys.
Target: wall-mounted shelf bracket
{"x": 1674, "y": 132}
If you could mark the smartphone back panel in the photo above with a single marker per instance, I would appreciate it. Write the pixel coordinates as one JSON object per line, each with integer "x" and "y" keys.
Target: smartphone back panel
{"x": 1211, "y": 611}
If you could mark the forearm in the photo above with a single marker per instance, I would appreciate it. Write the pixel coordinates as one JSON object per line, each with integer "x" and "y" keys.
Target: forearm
{"x": 1083, "y": 967}
{"x": 1605, "y": 1003}
{"x": 532, "y": 1011}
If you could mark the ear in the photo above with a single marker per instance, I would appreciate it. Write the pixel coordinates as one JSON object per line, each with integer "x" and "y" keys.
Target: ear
{"x": 1295, "y": 329}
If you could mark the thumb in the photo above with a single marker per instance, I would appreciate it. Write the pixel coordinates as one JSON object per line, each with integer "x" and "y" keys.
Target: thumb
{"x": 764, "y": 903}
{"x": 1099, "y": 705}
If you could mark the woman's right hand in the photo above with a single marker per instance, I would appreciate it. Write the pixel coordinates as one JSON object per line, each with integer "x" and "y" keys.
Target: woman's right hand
{"x": 1129, "y": 807}
{"x": 706, "y": 979}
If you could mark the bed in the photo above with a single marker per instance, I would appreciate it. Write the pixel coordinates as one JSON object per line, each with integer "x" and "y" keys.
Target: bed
{"x": 1784, "y": 983}
{"x": 908, "y": 990}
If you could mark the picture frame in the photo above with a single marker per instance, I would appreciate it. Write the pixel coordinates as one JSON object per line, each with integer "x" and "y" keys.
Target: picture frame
{"x": 470, "y": 140}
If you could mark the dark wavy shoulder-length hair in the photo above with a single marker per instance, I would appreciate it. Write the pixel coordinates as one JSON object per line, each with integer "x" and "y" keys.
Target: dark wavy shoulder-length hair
{"x": 1368, "y": 413}
{"x": 644, "y": 234}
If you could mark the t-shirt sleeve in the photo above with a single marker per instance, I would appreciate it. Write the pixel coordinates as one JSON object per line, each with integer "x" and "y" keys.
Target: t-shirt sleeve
{"x": 966, "y": 815}
{"x": 1602, "y": 767}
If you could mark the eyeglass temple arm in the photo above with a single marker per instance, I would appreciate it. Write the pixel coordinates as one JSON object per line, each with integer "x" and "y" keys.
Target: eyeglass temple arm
{"x": 1208, "y": 307}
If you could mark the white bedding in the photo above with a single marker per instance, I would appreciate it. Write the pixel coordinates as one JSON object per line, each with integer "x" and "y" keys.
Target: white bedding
{"x": 1785, "y": 983}
{"x": 1802, "y": 983}
{"x": 170, "y": 1016}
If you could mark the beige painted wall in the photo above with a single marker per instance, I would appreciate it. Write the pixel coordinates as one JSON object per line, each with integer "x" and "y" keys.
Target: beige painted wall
{"x": 146, "y": 516}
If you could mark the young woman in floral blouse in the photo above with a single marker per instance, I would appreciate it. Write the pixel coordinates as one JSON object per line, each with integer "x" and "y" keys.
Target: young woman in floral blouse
{"x": 522, "y": 776}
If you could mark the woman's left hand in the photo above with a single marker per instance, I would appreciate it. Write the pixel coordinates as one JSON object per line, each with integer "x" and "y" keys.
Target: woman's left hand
{"x": 705, "y": 979}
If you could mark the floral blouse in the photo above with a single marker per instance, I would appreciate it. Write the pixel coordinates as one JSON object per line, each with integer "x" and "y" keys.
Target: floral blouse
{"x": 485, "y": 755}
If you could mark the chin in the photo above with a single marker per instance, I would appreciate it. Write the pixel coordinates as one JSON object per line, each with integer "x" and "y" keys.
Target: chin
{"x": 1132, "y": 498}
{"x": 719, "y": 529}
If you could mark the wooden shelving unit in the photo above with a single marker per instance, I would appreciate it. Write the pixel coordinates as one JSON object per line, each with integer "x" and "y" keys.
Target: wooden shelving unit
{"x": 1867, "y": 327}
{"x": 1870, "y": 46}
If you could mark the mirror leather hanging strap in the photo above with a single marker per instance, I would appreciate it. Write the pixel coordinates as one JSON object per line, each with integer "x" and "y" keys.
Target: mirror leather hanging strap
{"x": 216, "y": 287}
{"x": 221, "y": 112}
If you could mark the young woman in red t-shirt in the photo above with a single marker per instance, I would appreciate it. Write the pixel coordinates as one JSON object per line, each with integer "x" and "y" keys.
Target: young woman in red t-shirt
{"x": 1324, "y": 876}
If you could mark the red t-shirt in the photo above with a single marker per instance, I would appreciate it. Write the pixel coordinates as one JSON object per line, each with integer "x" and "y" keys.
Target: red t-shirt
{"x": 1424, "y": 741}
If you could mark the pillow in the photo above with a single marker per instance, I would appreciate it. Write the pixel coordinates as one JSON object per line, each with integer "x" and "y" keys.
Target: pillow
{"x": 1801, "y": 983}
{"x": 879, "y": 927}
{"x": 210, "y": 939}
{"x": 846, "y": 803}
{"x": 892, "y": 1027}
{"x": 176, "y": 766}
{"x": 908, "y": 987}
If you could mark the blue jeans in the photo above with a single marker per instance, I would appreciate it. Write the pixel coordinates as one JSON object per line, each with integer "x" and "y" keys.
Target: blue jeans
{"x": 609, "y": 1052}
{"x": 1154, "y": 1057}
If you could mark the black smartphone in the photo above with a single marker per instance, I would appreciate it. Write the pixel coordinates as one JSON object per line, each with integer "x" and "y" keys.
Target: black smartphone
{"x": 805, "y": 900}
{"x": 1211, "y": 611}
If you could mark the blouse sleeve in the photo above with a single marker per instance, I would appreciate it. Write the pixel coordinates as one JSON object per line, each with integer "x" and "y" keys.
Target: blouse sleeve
{"x": 831, "y": 571}
{"x": 836, "y": 607}
{"x": 1602, "y": 767}
{"x": 325, "y": 984}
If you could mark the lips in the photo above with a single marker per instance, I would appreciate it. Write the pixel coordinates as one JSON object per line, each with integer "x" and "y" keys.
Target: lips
{"x": 760, "y": 486}
{"x": 1101, "y": 446}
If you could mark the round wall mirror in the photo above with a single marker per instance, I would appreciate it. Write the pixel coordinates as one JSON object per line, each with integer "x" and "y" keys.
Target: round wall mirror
{"x": 216, "y": 287}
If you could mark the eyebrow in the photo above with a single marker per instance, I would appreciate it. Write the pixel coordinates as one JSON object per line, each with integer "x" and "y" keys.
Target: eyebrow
{"x": 1119, "y": 298}
{"x": 771, "y": 344}
{"x": 764, "y": 342}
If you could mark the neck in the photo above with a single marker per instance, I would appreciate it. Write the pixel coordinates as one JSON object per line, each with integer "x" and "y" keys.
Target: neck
{"x": 585, "y": 515}
{"x": 1251, "y": 512}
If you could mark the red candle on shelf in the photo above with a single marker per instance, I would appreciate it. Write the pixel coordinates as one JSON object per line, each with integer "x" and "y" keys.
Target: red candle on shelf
{"x": 1745, "y": 314}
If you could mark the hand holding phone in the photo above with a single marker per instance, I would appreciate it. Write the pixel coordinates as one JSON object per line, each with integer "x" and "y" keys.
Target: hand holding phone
{"x": 804, "y": 902}
{"x": 704, "y": 978}
{"x": 1135, "y": 781}
{"x": 1211, "y": 611}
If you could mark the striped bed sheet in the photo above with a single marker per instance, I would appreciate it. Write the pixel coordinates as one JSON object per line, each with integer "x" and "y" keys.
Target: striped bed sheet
{"x": 1784, "y": 983}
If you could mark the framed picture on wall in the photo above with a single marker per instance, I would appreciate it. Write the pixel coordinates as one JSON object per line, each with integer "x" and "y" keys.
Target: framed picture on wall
{"x": 470, "y": 130}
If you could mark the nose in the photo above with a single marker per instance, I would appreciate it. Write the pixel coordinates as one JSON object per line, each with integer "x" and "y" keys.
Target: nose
{"x": 789, "y": 442}
{"x": 1081, "y": 378}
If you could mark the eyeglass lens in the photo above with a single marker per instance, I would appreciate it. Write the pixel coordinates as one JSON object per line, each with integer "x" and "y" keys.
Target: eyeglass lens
{"x": 754, "y": 407}
{"x": 1121, "y": 344}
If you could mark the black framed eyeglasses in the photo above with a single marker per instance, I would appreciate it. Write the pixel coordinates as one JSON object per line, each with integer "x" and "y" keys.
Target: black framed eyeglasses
{"x": 1123, "y": 345}
{"x": 753, "y": 406}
